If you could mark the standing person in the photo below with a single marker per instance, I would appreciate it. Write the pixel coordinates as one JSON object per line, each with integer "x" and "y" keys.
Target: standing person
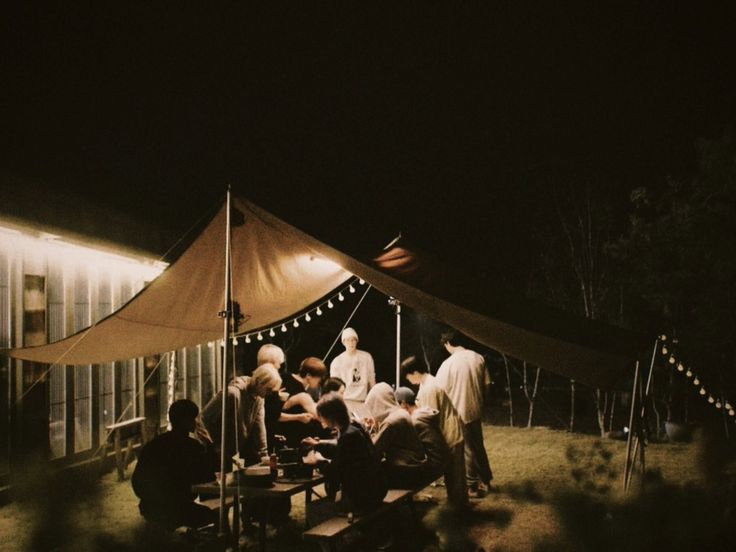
{"x": 168, "y": 467}
{"x": 273, "y": 354}
{"x": 465, "y": 379}
{"x": 245, "y": 395}
{"x": 432, "y": 396}
{"x": 298, "y": 417}
{"x": 354, "y": 367}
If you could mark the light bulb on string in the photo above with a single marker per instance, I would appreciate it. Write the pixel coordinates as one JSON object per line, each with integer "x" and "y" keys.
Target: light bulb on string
{"x": 663, "y": 337}
{"x": 272, "y": 333}
{"x": 696, "y": 381}
{"x": 247, "y": 339}
{"x": 731, "y": 412}
{"x": 329, "y": 304}
{"x": 361, "y": 281}
{"x": 680, "y": 366}
{"x": 296, "y": 323}
{"x": 260, "y": 337}
{"x": 665, "y": 350}
{"x": 718, "y": 404}
{"x": 340, "y": 296}
{"x": 702, "y": 391}
{"x": 307, "y": 317}
{"x": 319, "y": 311}
{"x": 351, "y": 288}
{"x": 711, "y": 400}
{"x": 689, "y": 373}
{"x": 728, "y": 405}
{"x": 211, "y": 344}
{"x": 283, "y": 328}
{"x": 672, "y": 359}
{"x": 235, "y": 341}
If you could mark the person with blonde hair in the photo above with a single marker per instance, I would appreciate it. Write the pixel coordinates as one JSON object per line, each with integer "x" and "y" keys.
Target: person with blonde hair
{"x": 354, "y": 367}
{"x": 245, "y": 405}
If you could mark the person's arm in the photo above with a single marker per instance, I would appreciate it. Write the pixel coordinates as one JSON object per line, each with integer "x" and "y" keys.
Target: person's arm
{"x": 302, "y": 417}
{"x": 304, "y": 400}
{"x": 335, "y": 369}
{"x": 371, "y": 372}
{"x": 259, "y": 426}
{"x": 384, "y": 438}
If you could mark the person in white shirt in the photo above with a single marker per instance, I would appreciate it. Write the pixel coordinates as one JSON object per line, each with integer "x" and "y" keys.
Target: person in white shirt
{"x": 432, "y": 396}
{"x": 354, "y": 367}
{"x": 465, "y": 379}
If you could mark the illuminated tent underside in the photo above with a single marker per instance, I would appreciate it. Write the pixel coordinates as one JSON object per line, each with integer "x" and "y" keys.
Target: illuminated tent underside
{"x": 279, "y": 270}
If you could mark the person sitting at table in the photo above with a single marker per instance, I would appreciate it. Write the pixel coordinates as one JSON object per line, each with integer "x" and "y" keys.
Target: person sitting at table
{"x": 354, "y": 468}
{"x": 245, "y": 405}
{"x": 169, "y": 465}
{"x": 333, "y": 385}
{"x": 427, "y": 424}
{"x": 299, "y": 412}
{"x": 395, "y": 438}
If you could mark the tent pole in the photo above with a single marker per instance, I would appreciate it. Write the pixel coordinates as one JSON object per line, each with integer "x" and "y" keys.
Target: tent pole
{"x": 226, "y": 314}
{"x": 642, "y": 417}
{"x": 627, "y": 465}
{"x": 398, "y": 344}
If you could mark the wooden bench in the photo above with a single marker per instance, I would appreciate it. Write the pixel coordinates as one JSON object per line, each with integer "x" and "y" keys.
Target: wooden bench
{"x": 327, "y": 532}
{"x": 125, "y": 434}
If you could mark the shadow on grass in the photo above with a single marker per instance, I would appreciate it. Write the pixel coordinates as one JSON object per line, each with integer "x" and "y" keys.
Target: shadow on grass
{"x": 660, "y": 516}
{"x": 525, "y": 491}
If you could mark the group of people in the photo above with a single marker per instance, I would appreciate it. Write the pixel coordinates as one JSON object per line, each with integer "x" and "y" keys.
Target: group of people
{"x": 365, "y": 437}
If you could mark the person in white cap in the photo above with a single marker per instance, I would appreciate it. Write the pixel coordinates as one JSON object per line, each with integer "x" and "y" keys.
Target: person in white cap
{"x": 354, "y": 367}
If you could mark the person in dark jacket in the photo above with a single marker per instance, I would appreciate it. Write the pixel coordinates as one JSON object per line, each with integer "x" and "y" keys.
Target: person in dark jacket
{"x": 355, "y": 466}
{"x": 168, "y": 467}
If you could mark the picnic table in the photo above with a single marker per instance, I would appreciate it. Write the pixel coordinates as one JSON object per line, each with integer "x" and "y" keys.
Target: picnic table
{"x": 282, "y": 487}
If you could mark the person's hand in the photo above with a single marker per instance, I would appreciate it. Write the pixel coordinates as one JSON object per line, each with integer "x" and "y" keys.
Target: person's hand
{"x": 200, "y": 432}
{"x": 305, "y": 417}
{"x": 313, "y": 458}
{"x": 369, "y": 423}
{"x": 310, "y": 442}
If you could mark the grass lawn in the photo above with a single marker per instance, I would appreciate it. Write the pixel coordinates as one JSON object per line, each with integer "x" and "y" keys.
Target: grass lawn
{"x": 530, "y": 507}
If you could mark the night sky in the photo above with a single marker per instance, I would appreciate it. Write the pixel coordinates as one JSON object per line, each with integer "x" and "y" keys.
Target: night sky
{"x": 449, "y": 125}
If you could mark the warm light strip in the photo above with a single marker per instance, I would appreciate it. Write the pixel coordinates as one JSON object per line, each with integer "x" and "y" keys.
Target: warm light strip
{"x": 53, "y": 247}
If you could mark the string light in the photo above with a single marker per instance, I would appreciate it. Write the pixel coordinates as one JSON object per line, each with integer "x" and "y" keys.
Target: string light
{"x": 663, "y": 337}
{"x": 702, "y": 390}
{"x": 308, "y": 318}
{"x": 283, "y": 328}
{"x": 711, "y": 400}
{"x": 696, "y": 381}
{"x": 351, "y": 289}
{"x": 296, "y": 323}
{"x": 247, "y": 339}
{"x": 340, "y": 296}
{"x": 728, "y": 406}
{"x": 672, "y": 359}
{"x": 665, "y": 350}
{"x": 319, "y": 311}
{"x": 260, "y": 337}
{"x": 329, "y": 304}
{"x": 272, "y": 333}
{"x": 361, "y": 281}
{"x": 731, "y": 412}
{"x": 235, "y": 341}
{"x": 718, "y": 404}
{"x": 680, "y": 366}
{"x": 689, "y": 373}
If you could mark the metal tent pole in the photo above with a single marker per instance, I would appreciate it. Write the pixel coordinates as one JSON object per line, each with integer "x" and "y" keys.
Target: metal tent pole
{"x": 627, "y": 465}
{"x": 226, "y": 316}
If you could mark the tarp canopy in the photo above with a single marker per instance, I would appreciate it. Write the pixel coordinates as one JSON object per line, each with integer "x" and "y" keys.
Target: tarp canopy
{"x": 279, "y": 270}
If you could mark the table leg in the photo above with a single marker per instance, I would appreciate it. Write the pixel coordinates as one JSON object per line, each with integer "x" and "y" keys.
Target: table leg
{"x": 236, "y": 522}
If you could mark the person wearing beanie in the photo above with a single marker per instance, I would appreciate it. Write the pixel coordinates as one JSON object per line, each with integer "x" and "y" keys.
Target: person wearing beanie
{"x": 354, "y": 367}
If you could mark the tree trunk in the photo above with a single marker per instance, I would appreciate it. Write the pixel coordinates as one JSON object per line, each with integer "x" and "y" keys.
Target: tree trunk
{"x": 508, "y": 386}
{"x": 530, "y": 396}
{"x": 600, "y": 407}
{"x": 572, "y": 405}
